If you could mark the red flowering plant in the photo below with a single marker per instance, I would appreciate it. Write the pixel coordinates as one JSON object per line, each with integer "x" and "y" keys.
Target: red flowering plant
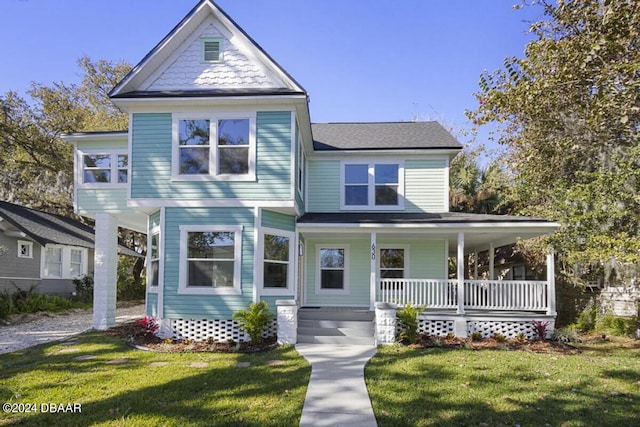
{"x": 540, "y": 329}
{"x": 149, "y": 325}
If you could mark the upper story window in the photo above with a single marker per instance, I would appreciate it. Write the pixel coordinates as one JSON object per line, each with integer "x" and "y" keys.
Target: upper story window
{"x": 207, "y": 147}
{"x": 372, "y": 185}
{"x": 212, "y": 49}
{"x": 105, "y": 168}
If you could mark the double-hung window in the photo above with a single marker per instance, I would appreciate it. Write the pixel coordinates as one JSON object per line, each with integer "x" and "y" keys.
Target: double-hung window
{"x": 372, "y": 185}
{"x": 64, "y": 262}
{"x": 214, "y": 147}
{"x": 277, "y": 261}
{"x": 333, "y": 269}
{"x": 210, "y": 259}
{"x": 102, "y": 168}
{"x": 392, "y": 263}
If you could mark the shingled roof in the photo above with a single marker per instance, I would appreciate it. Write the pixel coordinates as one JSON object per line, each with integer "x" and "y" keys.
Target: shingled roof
{"x": 382, "y": 136}
{"x": 45, "y": 228}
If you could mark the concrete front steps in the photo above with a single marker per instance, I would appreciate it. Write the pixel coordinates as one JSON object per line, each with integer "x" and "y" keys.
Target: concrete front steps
{"x": 336, "y": 325}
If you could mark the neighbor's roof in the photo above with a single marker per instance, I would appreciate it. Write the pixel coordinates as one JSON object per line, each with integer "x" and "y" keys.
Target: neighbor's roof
{"x": 45, "y": 228}
{"x": 382, "y": 136}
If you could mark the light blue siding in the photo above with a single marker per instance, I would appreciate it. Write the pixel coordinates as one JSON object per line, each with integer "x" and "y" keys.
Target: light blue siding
{"x": 424, "y": 180}
{"x": 278, "y": 221}
{"x": 152, "y": 305}
{"x": 426, "y": 186}
{"x": 323, "y": 186}
{"x": 151, "y": 157}
{"x": 91, "y": 201}
{"x": 426, "y": 260}
{"x": 359, "y": 266}
{"x": 206, "y": 306}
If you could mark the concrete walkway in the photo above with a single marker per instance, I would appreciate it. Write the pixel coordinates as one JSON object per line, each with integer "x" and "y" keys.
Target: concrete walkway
{"x": 337, "y": 395}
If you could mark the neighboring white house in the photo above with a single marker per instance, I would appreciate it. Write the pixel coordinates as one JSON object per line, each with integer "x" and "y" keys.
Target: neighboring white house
{"x": 244, "y": 199}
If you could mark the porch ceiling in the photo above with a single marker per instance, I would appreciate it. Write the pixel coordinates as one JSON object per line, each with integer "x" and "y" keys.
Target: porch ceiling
{"x": 480, "y": 231}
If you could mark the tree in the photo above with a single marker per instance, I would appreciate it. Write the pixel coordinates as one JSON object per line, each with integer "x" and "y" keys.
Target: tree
{"x": 37, "y": 165}
{"x": 569, "y": 112}
{"x": 477, "y": 189}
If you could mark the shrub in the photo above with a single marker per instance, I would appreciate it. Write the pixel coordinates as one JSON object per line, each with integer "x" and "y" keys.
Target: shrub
{"x": 567, "y": 335}
{"x": 254, "y": 320}
{"x": 84, "y": 289}
{"x": 476, "y": 336}
{"x": 408, "y": 318}
{"x": 610, "y": 324}
{"x": 587, "y": 318}
{"x": 149, "y": 325}
{"x": 540, "y": 328}
{"x": 499, "y": 338}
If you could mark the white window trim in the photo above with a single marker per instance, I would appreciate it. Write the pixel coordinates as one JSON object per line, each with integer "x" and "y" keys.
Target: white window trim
{"x": 220, "y": 41}
{"x": 114, "y": 169}
{"x": 301, "y": 168}
{"x": 183, "y": 288}
{"x": 371, "y": 186}
{"x": 154, "y": 230}
{"x": 346, "y": 290}
{"x": 213, "y": 174}
{"x": 66, "y": 262}
{"x": 405, "y": 247}
{"x": 292, "y": 259}
{"x": 27, "y": 244}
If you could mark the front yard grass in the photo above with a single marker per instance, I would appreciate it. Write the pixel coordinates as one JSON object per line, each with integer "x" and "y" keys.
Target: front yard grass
{"x": 121, "y": 386}
{"x": 443, "y": 387}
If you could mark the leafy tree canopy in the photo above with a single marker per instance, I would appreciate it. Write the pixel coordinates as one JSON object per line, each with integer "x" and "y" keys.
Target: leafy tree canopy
{"x": 37, "y": 166}
{"x": 569, "y": 112}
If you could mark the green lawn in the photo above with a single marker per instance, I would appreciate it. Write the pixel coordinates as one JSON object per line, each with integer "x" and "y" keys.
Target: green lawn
{"x": 270, "y": 392}
{"x": 408, "y": 387}
{"x": 440, "y": 387}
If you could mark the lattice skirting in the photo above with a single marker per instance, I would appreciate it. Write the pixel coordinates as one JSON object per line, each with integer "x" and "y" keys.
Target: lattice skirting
{"x": 204, "y": 329}
{"x": 510, "y": 329}
{"x": 440, "y": 328}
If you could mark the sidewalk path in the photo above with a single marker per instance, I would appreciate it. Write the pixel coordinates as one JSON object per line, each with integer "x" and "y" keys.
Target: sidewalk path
{"x": 337, "y": 394}
{"x": 56, "y": 327}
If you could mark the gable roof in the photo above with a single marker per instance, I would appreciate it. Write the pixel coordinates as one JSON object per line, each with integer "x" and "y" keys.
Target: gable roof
{"x": 161, "y": 56}
{"x": 382, "y": 136}
{"x": 45, "y": 228}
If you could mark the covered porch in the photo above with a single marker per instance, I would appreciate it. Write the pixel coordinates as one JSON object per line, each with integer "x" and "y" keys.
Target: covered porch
{"x": 455, "y": 302}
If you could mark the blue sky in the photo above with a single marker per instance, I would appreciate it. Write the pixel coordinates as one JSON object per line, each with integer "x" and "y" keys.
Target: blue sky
{"x": 359, "y": 60}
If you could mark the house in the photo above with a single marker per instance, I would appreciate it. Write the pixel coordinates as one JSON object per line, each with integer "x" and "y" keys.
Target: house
{"x": 44, "y": 252}
{"x": 244, "y": 199}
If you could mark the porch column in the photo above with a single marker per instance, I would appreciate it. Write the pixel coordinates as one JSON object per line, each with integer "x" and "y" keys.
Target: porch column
{"x": 460, "y": 273}
{"x": 105, "y": 272}
{"x": 551, "y": 284}
{"x": 492, "y": 261}
{"x": 372, "y": 275}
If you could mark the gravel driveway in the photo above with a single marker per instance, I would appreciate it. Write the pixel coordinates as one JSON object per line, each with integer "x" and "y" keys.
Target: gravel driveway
{"x": 47, "y": 327}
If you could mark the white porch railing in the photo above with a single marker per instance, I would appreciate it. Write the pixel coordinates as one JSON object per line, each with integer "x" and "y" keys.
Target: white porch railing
{"x": 526, "y": 295}
{"x": 521, "y": 295}
{"x": 419, "y": 292}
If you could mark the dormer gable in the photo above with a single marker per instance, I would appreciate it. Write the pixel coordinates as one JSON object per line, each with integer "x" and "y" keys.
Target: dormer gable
{"x": 206, "y": 54}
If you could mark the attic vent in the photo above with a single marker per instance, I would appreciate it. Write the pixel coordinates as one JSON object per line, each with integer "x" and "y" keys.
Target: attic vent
{"x": 211, "y": 50}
